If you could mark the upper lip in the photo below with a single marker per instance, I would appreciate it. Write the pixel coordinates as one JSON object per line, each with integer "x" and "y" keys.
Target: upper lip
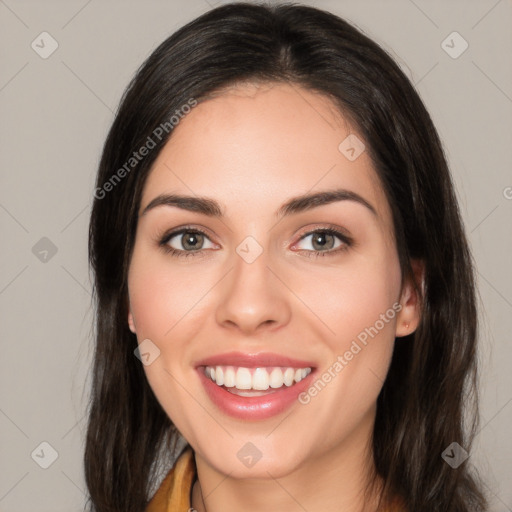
{"x": 263, "y": 359}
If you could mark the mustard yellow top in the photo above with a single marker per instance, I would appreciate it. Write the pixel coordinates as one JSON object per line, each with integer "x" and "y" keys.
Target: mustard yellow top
{"x": 174, "y": 493}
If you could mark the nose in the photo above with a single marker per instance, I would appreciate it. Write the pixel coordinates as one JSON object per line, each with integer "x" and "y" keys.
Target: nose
{"x": 253, "y": 299}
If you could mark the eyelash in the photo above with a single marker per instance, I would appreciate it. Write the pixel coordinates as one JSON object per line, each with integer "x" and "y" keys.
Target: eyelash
{"x": 329, "y": 230}
{"x": 176, "y": 252}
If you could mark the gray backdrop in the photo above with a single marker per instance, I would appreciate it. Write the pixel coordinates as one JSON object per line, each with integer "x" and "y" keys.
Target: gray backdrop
{"x": 56, "y": 105}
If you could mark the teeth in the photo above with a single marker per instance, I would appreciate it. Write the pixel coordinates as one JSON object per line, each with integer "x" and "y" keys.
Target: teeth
{"x": 289, "y": 375}
{"x": 243, "y": 378}
{"x": 259, "y": 379}
{"x": 276, "y": 378}
{"x": 219, "y": 376}
{"x": 229, "y": 377}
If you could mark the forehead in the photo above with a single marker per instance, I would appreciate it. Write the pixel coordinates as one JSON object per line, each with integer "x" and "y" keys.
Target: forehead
{"x": 258, "y": 144}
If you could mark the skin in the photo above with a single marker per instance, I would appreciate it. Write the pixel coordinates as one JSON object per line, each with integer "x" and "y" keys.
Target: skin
{"x": 251, "y": 149}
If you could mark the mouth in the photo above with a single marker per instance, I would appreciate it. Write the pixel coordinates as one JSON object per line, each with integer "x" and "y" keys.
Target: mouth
{"x": 254, "y": 392}
{"x": 255, "y": 381}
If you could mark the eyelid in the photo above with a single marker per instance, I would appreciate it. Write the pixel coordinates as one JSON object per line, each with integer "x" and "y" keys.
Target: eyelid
{"x": 336, "y": 231}
{"x": 180, "y": 230}
{"x": 330, "y": 228}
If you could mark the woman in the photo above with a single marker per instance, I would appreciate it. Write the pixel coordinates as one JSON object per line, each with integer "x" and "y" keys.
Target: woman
{"x": 283, "y": 282}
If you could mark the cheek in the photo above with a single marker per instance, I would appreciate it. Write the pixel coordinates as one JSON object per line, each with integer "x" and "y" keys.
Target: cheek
{"x": 162, "y": 295}
{"x": 165, "y": 302}
{"x": 357, "y": 305}
{"x": 353, "y": 297}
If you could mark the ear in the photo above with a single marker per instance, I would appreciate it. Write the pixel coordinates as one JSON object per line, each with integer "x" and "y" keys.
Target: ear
{"x": 411, "y": 300}
{"x": 131, "y": 323}
{"x": 131, "y": 320}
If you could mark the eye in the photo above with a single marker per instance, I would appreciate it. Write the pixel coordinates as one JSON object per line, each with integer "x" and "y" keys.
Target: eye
{"x": 325, "y": 241}
{"x": 186, "y": 242}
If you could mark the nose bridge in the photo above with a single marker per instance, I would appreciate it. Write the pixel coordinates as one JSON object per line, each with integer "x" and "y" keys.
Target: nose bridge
{"x": 252, "y": 296}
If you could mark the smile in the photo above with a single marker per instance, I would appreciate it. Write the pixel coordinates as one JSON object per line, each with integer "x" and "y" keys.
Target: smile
{"x": 240, "y": 379}
{"x": 254, "y": 387}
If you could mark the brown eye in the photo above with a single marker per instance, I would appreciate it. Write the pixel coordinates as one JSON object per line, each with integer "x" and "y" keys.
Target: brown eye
{"x": 187, "y": 241}
{"x": 324, "y": 241}
{"x": 192, "y": 240}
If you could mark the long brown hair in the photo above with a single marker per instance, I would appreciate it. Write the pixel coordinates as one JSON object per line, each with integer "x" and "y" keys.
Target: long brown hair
{"x": 428, "y": 400}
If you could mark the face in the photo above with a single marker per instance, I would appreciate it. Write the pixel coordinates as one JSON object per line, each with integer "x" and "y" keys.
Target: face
{"x": 256, "y": 287}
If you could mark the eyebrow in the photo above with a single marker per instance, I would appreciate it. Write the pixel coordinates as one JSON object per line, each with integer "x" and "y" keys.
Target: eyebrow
{"x": 295, "y": 205}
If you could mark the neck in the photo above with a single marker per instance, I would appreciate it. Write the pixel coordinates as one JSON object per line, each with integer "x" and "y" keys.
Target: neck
{"x": 335, "y": 480}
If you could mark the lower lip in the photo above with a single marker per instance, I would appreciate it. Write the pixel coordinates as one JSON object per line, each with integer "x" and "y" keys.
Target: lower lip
{"x": 253, "y": 407}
